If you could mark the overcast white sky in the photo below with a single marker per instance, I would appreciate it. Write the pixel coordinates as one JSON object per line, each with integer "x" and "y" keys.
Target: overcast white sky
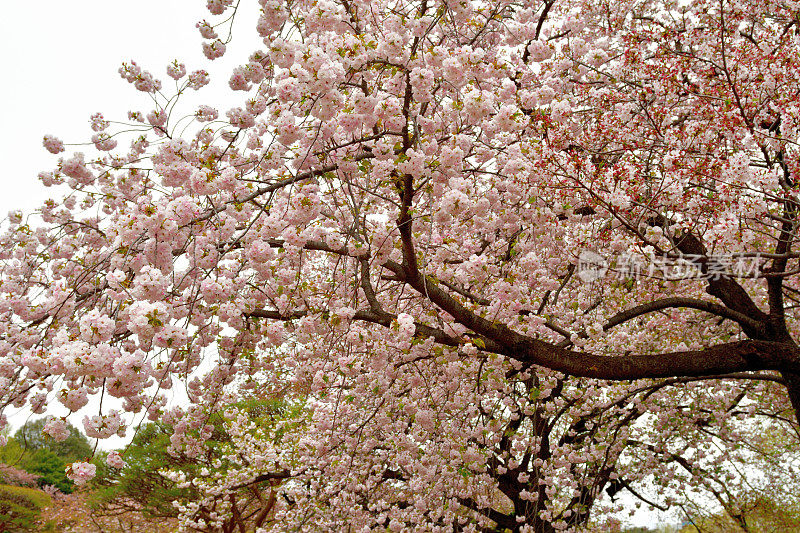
{"x": 59, "y": 62}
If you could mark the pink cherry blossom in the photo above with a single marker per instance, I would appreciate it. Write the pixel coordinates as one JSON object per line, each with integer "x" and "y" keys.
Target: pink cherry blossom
{"x": 53, "y": 145}
{"x": 103, "y": 426}
{"x": 176, "y": 70}
{"x": 433, "y": 265}
{"x": 57, "y": 429}
{"x": 198, "y": 79}
{"x": 80, "y": 473}
{"x": 114, "y": 460}
{"x": 214, "y": 49}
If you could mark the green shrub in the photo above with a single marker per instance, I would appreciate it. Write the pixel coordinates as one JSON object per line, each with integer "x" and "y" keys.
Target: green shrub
{"x": 20, "y": 507}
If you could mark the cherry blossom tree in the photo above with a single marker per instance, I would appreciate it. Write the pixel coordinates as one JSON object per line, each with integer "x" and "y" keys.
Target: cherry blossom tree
{"x": 505, "y": 255}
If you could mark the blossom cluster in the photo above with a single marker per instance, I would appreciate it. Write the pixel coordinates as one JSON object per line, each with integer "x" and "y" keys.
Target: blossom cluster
{"x": 81, "y": 473}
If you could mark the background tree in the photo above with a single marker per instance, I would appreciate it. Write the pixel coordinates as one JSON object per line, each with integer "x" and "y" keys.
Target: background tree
{"x": 140, "y": 486}
{"x": 38, "y": 453}
{"x": 74, "y": 447}
{"x": 756, "y": 513}
{"x": 393, "y": 231}
{"x": 153, "y": 481}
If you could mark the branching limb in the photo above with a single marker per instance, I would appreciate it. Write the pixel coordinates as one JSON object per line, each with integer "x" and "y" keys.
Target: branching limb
{"x": 690, "y": 303}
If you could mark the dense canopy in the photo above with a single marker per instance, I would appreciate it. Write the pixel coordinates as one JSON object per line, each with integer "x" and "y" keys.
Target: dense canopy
{"x": 497, "y": 256}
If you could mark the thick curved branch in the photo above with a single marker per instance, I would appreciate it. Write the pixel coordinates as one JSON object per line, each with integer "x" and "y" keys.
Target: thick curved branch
{"x": 284, "y": 474}
{"x": 743, "y": 356}
{"x": 666, "y": 303}
{"x": 731, "y": 293}
{"x": 624, "y": 484}
{"x": 502, "y": 520}
{"x": 740, "y": 356}
{"x": 691, "y": 303}
{"x": 383, "y": 318}
{"x": 775, "y": 283}
{"x": 727, "y": 290}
